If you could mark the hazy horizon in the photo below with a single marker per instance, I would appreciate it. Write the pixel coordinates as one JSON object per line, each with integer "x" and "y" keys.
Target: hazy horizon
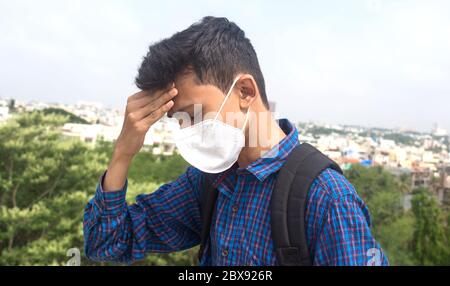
{"x": 368, "y": 63}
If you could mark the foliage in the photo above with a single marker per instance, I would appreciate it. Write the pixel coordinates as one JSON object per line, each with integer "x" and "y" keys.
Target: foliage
{"x": 316, "y": 131}
{"x": 147, "y": 167}
{"x": 44, "y": 180}
{"x": 396, "y": 238}
{"x": 431, "y": 241}
{"x": 400, "y": 138}
{"x": 72, "y": 118}
{"x": 416, "y": 237}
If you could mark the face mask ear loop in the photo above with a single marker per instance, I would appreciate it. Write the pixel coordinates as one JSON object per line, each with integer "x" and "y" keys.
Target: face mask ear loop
{"x": 226, "y": 97}
{"x": 246, "y": 118}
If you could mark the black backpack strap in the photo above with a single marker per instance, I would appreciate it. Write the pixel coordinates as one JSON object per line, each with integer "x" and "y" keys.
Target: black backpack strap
{"x": 208, "y": 198}
{"x": 288, "y": 203}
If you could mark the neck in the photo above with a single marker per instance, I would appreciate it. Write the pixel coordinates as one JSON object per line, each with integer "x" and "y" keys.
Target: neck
{"x": 263, "y": 133}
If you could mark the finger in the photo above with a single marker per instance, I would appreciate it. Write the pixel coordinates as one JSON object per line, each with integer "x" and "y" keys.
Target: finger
{"x": 141, "y": 102}
{"x": 137, "y": 96}
{"x": 145, "y": 94}
{"x": 156, "y": 104}
{"x": 157, "y": 114}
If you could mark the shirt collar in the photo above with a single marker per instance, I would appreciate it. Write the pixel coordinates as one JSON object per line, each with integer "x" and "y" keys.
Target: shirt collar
{"x": 274, "y": 159}
{"x": 271, "y": 162}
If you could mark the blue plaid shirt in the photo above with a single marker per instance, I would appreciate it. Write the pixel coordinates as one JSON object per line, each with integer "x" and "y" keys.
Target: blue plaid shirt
{"x": 337, "y": 220}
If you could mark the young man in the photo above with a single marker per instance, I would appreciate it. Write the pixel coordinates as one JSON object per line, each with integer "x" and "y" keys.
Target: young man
{"x": 212, "y": 65}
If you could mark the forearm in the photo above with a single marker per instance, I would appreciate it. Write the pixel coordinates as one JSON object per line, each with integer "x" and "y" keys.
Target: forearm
{"x": 117, "y": 172}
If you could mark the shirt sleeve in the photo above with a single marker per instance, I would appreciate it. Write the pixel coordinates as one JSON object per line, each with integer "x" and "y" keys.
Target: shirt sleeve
{"x": 166, "y": 220}
{"x": 338, "y": 231}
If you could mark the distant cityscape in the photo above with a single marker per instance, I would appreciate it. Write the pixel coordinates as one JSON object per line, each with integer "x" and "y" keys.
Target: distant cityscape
{"x": 424, "y": 156}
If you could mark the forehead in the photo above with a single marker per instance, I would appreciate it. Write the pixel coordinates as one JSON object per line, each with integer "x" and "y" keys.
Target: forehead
{"x": 191, "y": 91}
{"x": 188, "y": 92}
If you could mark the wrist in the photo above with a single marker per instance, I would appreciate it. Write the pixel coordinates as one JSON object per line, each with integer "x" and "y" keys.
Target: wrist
{"x": 117, "y": 172}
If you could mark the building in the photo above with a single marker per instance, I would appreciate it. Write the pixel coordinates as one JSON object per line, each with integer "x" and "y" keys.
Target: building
{"x": 437, "y": 131}
{"x": 443, "y": 189}
{"x": 159, "y": 139}
{"x": 4, "y": 113}
{"x": 161, "y": 134}
{"x": 91, "y": 133}
{"x": 421, "y": 178}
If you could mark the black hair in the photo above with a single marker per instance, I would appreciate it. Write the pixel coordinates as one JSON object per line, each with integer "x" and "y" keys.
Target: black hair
{"x": 214, "y": 48}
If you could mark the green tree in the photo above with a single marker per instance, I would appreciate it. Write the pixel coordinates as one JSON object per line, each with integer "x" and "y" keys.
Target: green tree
{"x": 44, "y": 179}
{"x": 383, "y": 193}
{"x": 156, "y": 168}
{"x": 72, "y": 118}
{"x": 430, "y": 241}
{"x": 396, "y": 239}
{"x": 370, "y": 181}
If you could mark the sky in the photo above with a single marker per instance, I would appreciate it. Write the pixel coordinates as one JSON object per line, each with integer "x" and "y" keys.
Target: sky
{"x": 359, "y": 62}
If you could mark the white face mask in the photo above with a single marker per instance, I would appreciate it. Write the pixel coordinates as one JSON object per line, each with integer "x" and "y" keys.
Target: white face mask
{"x": 211, "y": 145}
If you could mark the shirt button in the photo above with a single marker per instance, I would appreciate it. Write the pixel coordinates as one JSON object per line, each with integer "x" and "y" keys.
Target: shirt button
{"x": 225, "y": 252}
{"x": 234, "y": 208}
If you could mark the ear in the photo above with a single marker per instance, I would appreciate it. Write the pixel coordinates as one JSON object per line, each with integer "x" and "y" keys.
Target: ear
{"x": 247, "y": 90}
